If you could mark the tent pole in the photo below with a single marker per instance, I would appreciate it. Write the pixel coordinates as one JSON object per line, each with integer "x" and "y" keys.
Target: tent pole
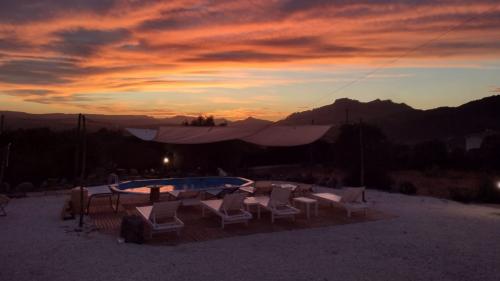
{"x": 362, "y": 157}
{"x": 77, "y": 150}
{"x": 82, "y": 175}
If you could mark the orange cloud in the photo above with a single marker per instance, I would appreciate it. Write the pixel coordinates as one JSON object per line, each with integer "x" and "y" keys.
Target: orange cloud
{"x": 73, "y": 52}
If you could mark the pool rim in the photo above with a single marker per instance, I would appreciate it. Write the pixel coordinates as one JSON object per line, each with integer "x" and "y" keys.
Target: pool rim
{"x": 114, "y": 187}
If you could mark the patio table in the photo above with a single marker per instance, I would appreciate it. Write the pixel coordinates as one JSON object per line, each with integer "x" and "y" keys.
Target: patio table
{"x": 251, "y": 201}
{"x": 307, "y": 202}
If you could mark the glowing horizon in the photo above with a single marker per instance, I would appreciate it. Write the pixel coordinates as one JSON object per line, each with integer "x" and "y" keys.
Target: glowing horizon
{"x": 235, "y": 59}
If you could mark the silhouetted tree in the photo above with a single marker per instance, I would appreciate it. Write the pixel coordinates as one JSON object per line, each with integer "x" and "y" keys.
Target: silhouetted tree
{"x": 200, "y": 121}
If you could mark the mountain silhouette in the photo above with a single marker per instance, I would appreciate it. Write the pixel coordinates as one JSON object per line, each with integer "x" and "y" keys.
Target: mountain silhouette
{"x": 399, "y": 121}
{"x": 403, "y": 123}
{"x": 347, "y": 110}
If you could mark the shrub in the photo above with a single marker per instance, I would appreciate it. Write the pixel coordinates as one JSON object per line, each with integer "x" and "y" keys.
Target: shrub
{"x": 407, "y": 188}
{"x": 464, "y": 195}
{"x": 373, "y": 179}
{"x": 488, "y": 192}
{"x": 433, "y": 172}
{"x": 25, "y": 187}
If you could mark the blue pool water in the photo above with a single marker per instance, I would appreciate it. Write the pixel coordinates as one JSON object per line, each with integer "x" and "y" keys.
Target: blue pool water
{"x": 194, "y": 183}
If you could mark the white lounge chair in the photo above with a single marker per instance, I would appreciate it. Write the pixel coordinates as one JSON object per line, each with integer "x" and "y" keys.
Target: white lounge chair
{"x": 101, "y": 191}
{"x": 230, "y": 209}
{"x": 278, "y": 204}
{"x": 351, "y": 200}
{"x": 162, "y": 217}
{"x": 187, "y": 197}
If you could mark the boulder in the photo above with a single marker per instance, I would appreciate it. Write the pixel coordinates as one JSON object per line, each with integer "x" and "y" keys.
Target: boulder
{"x": 25, "y": 187}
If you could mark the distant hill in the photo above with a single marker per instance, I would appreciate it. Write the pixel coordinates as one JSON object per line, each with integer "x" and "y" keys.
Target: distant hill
{"x": 61, "y": 121}
{"x": 250, "y": 121}
{"x": 445, "y": 122}
{"x": 347, "y": 109}
{"x": 404, "y": 123}
{"x": 399, "y": 121}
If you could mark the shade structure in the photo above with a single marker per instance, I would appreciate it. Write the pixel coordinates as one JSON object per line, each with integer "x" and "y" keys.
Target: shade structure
{"x": 264, "y": 135}
{"x": 143, "y": 134}
{"x": 287, "y": 135}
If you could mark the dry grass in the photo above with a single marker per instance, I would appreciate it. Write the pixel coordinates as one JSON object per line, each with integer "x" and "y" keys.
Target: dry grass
{"x": 440, "y": 184}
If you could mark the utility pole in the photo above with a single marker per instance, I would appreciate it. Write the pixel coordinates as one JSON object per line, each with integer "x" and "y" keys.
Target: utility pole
{"x": 361, "y": 155}
{"x": 83, "y": 155}
{"x": 77, "y": 150}
{"x": 5, "y": 153}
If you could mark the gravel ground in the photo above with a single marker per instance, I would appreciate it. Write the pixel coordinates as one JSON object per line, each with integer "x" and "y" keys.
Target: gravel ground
{"x": 431, "y": 239}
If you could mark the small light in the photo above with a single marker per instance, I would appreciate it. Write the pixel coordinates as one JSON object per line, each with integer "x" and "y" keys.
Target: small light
{"x": 498, "y": 184}
{"x": 166, "y": 160}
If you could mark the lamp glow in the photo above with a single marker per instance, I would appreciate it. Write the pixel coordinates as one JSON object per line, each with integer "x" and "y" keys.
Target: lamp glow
{"x": 166, "y": 160}
{"x": 498, "y": 184}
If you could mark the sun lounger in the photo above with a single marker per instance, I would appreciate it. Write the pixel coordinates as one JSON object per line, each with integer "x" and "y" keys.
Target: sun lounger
{"x": 227, "y": 190}
{"x": 351, "y": 200}
{"x": 101, "y": 191}
{"x": 187, "y": 197}
{"x": 278, "y": 204}
{"x": 162, "y": 217}
{"x": 230, "y": 209}
{"x": 4, "y": 200}
{"x": 248, "y": 189}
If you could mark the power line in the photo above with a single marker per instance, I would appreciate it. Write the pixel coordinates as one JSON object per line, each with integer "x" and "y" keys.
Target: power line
{"x": 396, "y": 59}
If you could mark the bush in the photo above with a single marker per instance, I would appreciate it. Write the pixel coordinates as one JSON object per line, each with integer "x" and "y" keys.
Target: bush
{"x": 407, "y": 188}
{"x": 25, "y": 187}
{"x": 373, "y": 179}
{"x": 488, "y": 192}
{"x": 433, "y": 172}
{"x": 464, "y": 195}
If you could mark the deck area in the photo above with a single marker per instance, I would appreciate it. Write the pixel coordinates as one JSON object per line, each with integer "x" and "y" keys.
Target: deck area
{"x": 198, "y": 228}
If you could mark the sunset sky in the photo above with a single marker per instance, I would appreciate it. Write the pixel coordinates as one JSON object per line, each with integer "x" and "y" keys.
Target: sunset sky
{"x": 234, "y": 59}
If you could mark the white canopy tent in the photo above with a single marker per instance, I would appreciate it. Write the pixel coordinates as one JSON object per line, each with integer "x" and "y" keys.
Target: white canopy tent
{"x": 267, "y": 135}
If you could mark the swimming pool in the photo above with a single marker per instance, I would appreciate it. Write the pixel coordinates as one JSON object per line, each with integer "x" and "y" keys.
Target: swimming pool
{"x": 171, "y": 184}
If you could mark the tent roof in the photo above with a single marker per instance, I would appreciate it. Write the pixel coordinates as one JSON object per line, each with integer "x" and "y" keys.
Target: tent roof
{"x": 265, "y": 135}
{"x": 287, "y": 135}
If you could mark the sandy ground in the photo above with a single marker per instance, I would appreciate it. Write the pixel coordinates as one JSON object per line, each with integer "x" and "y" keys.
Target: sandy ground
{"x": 432, "y": 239}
